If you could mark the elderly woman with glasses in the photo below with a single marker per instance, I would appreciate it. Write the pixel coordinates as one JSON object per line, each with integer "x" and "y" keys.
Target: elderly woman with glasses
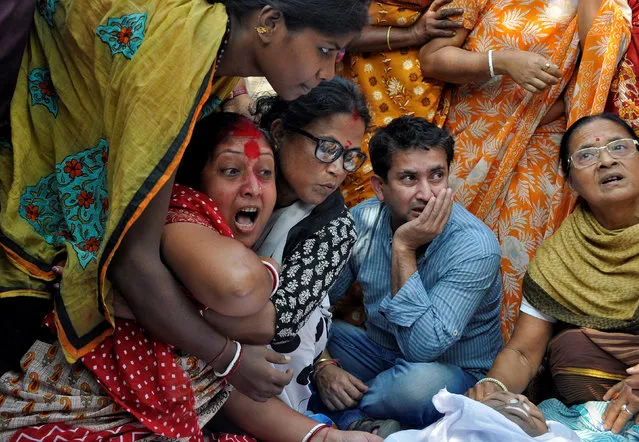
{"x": 581, "y": 306}
{"x": 316, "y": 139}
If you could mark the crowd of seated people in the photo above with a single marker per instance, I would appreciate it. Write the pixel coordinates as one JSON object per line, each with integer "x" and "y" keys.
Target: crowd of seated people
{"x": 172, "y": 250}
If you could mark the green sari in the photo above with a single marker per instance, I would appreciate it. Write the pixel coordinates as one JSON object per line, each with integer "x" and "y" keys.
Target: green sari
{"x": 587, "y": 277}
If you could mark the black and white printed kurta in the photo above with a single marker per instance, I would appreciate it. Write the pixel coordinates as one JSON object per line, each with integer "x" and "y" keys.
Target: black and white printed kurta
{"x": 316, "y": 250}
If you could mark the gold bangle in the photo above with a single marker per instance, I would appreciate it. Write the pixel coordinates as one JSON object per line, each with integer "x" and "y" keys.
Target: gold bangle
{"x": 322, "y": 360}
{"x": 388, "y": 38}
{"x": 327, "y": 360}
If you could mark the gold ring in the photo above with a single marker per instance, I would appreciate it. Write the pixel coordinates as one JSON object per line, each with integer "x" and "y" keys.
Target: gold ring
{"x": 546, "y": 67}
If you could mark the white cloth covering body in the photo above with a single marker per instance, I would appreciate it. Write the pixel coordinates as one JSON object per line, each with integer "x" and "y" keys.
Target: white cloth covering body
{"x": 466, "y": 420}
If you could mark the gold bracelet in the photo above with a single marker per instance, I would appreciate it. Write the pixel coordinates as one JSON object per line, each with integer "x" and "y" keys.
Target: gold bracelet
{"x": 317, "y": 367}
{"x": 318, "y": 362}
{"x": 388, "y": 38}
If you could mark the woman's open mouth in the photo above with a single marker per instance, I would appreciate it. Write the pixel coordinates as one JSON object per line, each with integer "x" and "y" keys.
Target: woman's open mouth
{"x": 245, "y": 219}
{"x": 611, "y": 179}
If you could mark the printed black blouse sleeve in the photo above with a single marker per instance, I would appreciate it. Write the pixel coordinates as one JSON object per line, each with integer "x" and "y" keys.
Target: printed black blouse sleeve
{"x": 308, "y": 273}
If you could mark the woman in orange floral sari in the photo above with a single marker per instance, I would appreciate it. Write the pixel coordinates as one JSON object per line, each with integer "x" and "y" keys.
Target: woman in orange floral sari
{"x": 518, "y": 88}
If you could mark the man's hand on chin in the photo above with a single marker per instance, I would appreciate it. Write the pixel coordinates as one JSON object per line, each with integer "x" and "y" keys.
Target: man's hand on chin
{"x": 430, "y": 223}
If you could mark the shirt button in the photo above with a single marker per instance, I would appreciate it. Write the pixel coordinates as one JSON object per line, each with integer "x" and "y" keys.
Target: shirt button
{"x": 454, "y": 332}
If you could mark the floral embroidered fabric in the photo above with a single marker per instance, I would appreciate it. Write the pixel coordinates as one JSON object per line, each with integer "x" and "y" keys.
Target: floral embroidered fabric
{"x": 124, "y": 35}
{"x": 72, "y": 204}
{"x": 42, "y": 90}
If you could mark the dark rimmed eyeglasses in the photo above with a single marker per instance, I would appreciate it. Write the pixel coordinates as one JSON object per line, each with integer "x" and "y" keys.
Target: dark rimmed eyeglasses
{"x": 588, "y": 156}
{"x": 328, "y": 150}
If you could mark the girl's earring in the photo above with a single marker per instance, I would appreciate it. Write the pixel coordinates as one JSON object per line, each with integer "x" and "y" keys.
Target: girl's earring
{"x": 261, "y": 30}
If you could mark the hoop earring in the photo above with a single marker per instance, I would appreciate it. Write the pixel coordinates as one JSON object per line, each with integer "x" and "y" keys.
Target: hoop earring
{"x": 261, "y": 30}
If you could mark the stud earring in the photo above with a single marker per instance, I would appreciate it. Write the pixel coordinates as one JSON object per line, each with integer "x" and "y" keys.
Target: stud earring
{"x": 261, "y": 30}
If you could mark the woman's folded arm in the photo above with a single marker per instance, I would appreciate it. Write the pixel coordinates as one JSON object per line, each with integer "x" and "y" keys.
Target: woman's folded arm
{"x": 220, "y": 272}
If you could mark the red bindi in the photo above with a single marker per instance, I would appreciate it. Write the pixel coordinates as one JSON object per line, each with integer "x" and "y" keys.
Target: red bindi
{"x": 597, "y": 139}
{"x": 349, "y": 143}
{"x": 252, "y": 149}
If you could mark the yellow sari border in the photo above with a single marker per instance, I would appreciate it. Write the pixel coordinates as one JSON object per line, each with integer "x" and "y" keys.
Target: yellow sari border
{"x": 26, "y": 293}
{"x": 26, "y": 266}
{"x": 591, "y": 373}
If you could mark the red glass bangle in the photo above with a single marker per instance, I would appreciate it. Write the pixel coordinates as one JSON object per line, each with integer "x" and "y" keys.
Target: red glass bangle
{"x": 219, "y": 355}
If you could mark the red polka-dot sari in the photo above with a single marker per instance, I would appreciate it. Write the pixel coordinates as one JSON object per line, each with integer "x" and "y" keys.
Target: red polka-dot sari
{"x": 130, "y": 387}
{"x": 140, "y": 372}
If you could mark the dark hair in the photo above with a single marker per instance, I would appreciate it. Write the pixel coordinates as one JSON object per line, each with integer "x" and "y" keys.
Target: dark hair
{"x": 331, "y": 97}
{"x": 406, "y": 133}
{"x": 329, "y": 17}
{"x": 564, "y": 147}
{"x": 208, "y": 133}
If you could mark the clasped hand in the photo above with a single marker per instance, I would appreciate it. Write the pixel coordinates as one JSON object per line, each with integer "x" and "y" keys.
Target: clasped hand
{"x": 338, "y": 388}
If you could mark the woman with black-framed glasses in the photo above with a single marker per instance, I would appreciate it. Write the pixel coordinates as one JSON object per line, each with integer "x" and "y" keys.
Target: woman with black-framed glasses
{"x": 316, "y": 139}
{"x": 328, "y": 150}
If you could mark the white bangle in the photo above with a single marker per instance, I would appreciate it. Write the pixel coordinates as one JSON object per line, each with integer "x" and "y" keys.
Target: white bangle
{"x": 312, "y": 432}
{"x": 236, "y": 357}
{"x": 274, "y": 274}
{"x": 497, "y": 382}
{"x": 490, "y": 64}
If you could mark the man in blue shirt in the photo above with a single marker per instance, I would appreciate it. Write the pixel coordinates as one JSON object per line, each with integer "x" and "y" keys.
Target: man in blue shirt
{"x": 429, "y": 272}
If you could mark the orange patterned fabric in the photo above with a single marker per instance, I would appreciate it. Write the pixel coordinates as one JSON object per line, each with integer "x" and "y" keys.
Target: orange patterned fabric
{"x": 624, "y": 92}
{"x": 506, "y": 169}
{"x": 393, "y": 85}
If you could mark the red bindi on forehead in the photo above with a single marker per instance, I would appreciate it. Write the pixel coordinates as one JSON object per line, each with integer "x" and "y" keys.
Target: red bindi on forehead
{"x": 349, "y": 143}
{"x": 597, "y": 139}
{"x": 252, "y": 149}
